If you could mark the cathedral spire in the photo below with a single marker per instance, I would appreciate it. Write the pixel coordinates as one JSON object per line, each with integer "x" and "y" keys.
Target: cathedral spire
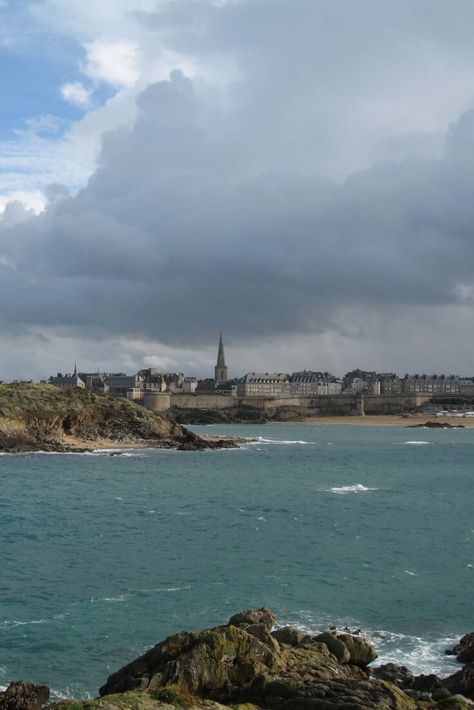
{"x": 75, "y": 370}
{"x": 220, "y": 370}
{"x": 220, "y": 353}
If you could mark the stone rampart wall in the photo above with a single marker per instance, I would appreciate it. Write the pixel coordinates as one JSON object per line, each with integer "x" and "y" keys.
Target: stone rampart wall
{"x": 326, "y": 405}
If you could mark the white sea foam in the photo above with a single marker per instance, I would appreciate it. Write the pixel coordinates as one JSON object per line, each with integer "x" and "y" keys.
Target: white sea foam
{"x": 345, "y": 490}
{"x": 284, "y": 442}
{"x": 420, "y": 654}
{"x": 68, "y": 694}
{"x": 407, "y": 571}
{"x": 7, "y": 624}
{"x": 417, "y": 443}
{"x": 154, "y": 590}
{"x": 110, "y": 600}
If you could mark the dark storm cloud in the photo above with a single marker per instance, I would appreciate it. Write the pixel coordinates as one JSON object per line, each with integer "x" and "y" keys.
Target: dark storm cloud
{"x": 215, "y": 210}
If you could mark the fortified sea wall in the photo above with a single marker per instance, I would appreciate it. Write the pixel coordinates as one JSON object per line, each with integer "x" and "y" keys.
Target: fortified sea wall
{"x": 325, "y": 405}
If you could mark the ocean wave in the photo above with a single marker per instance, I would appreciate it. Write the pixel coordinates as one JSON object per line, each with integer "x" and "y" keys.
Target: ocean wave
{"x": 94, "y": 452}
{"x": 345, "y": 490}
{"x": 285, "y": 442}
{"x": 154, "y": 590}
{"x": 418, "y": 443}
{"x": 110, "y": 600}
{"x": 11, "y": 624}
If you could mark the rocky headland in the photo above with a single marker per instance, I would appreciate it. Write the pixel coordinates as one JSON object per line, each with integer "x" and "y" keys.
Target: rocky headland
{"x": 247, "y": 664}
{"x": 44, "y": 418}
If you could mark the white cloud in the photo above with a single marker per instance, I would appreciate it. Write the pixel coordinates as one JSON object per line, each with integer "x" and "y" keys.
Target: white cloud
{"x": 18, "y": 205}
{"x": 112, "y": 62}
{"x": 76, "y": 93}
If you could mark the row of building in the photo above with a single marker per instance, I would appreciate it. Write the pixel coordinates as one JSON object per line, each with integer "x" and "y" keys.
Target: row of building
{"x": 264, "y": 384}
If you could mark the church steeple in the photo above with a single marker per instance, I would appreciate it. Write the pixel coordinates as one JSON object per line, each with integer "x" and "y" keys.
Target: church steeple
{"x": 220, "y": 370}
{"x": 75, "y": 370}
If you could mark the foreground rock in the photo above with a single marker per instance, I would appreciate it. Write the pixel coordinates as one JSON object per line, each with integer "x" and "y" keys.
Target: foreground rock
{"x": 464, "y": 650}
{"x": 170, "y": 698}
{"x": 246, "y": 665}
{"x": 44, "y": 418}
{"x": 24, "y": 696}
{"x": 246, "y": 662}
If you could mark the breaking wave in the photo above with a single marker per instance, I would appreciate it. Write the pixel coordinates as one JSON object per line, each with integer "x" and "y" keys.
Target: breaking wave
{"x": 345, "y": 490}
{"x": 418, "y": 443}
{"x": 266, "y": 440}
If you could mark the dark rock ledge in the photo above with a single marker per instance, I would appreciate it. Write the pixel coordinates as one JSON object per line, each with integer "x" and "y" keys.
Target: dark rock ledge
{"x": 245, "y": 665}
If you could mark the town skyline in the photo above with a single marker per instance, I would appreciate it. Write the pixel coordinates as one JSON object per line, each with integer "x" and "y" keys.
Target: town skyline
{"x": 261, "y": 382}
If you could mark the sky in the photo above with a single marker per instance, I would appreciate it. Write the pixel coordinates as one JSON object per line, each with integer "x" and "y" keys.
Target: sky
{"x": 299, "y": 174}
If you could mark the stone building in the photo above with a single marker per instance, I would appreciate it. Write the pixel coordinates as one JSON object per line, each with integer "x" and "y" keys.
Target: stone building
{"x": 308, "y": 383}
{"x": 67, "y": 382}
{"x": 264, "y": 384}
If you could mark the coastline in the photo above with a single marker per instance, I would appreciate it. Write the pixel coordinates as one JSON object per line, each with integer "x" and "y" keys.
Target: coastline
{"x": 102, "y": 444}
{"x": 264, "y": 665}
{"x": 387, "y": 421}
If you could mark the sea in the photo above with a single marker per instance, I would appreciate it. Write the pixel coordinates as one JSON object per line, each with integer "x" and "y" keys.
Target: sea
{"x": 103, "y": 556}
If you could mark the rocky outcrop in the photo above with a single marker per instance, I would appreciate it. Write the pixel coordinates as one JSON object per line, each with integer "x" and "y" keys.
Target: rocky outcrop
{"x": 44, "y": 418}
{"x": 246, "y": 662}
{"x": 170, "y": 698}
{"x": 24, "y": 696}
{"x": 452, "y": 692}
{"x": 464, "y": 650}
{"x": 435, "y": 425}
{"x": 461, "y": 682}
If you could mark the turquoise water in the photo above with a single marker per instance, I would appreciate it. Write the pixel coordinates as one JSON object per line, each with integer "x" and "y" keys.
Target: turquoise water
{"x": 101, "y": 557}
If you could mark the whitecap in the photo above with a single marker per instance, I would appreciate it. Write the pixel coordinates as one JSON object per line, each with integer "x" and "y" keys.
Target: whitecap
{"x": 13, "y": 623}
{"x": 407, "y": 571}
{"x": 285, "y": 442}
{"x": 345, "y": 490}
{"x": 261, "y": 518}
{"x": 153, "y": 590}
{"x": 110, "y": 600}
{"x": 417, "y": 443}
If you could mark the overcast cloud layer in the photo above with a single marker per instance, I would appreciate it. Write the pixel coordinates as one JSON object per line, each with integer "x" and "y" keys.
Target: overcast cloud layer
{"x": 300, "y": 175}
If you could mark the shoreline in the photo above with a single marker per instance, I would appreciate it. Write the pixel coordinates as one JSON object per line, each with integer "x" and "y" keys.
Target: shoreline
{"x": 74, "y": 445}
{"x": 388, "y": 420}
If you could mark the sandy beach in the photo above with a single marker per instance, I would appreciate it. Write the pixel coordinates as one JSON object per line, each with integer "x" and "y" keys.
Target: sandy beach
{"x": 390, "y": 420}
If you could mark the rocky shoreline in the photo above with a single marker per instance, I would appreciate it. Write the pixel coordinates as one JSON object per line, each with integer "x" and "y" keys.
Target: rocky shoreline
{"x": 37, "y": 418}
{"x": 247, "y": 664}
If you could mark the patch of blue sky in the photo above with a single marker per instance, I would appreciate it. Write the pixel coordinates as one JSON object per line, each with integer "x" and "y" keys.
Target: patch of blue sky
{"x": 30, "y": 79}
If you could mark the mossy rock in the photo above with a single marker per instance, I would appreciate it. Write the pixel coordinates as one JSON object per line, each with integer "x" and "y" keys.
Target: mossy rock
{"x": 169, "y": 698}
